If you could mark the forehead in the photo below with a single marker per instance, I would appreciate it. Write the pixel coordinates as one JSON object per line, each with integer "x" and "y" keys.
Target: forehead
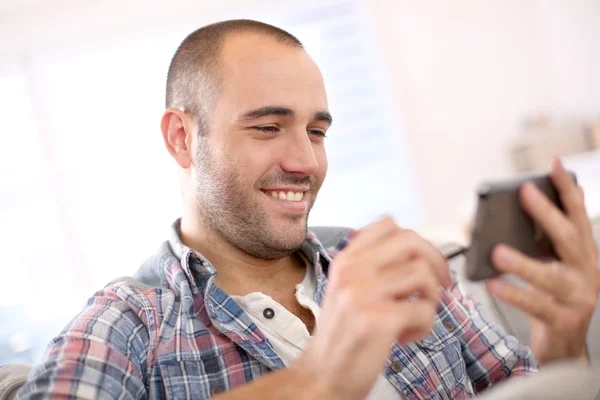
{"x": 256, "y": 69}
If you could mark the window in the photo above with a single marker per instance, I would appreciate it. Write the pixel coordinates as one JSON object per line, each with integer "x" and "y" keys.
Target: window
{"x": 121, "y": 185}
{"x": 87, "y": 190}
{"x": 33, "y": 266}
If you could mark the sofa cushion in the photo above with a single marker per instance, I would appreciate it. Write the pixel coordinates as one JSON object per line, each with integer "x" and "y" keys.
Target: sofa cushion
{"x": 556, "y": 382}
{"x": 12, "y": 377}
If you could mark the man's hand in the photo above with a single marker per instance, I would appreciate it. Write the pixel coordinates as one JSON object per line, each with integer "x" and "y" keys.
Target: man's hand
{"x": 562, "y": 295}
{"x": 383, "y": 287}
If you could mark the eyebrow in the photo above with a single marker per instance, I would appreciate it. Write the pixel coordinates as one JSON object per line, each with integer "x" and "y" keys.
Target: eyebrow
{"x": 324, "y": 116}
{"x": 268, "y": 110}
{"x": 282, "y": 112}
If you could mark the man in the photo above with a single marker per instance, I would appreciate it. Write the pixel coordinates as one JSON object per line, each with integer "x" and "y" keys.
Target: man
{"x": 239, "y": 289}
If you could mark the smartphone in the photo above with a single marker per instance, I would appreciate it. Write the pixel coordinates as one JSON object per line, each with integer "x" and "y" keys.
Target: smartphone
{"x": 501, "y": 219}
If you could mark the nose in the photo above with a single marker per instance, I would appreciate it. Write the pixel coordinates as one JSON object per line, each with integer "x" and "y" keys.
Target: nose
{"x": 299, "y": 156}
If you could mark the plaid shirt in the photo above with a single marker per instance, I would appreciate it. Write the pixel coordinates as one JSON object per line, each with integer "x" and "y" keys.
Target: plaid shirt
{"x": 177, "y": 335}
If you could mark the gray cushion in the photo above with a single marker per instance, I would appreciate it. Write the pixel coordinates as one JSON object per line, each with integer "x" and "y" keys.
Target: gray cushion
{"x": 557, "y": 382}
{"x": 12, "y": 377}
{"x": 330, "y": 235}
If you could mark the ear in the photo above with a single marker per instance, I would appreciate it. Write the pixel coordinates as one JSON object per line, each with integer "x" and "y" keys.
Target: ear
{"x": 177, "y": 130}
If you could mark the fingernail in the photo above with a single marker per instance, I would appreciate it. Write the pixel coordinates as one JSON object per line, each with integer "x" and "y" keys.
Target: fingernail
{"x": 503, "y": 255}
{"x": 495, "y": 286}
{"x": 531, "y": 191}
{"x": 557, "y": 165}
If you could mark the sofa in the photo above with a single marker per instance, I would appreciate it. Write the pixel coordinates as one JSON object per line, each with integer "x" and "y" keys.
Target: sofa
{"x": 12, "y": 377}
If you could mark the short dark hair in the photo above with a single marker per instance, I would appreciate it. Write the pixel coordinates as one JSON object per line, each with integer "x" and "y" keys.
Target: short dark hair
{"x": 193, "y": 80}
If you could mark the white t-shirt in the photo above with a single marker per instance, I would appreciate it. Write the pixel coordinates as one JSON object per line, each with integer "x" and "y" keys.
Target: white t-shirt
{"x": 288, "y": 334}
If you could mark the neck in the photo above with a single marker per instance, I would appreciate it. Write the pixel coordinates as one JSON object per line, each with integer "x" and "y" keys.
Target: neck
{"x": 238, "y": 272}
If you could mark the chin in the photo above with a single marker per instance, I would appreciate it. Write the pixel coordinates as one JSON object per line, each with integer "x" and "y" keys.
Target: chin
{"x": 292, "y": 230}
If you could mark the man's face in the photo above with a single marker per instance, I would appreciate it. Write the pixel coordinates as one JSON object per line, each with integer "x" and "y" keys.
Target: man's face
{"x": 259, "y": 168}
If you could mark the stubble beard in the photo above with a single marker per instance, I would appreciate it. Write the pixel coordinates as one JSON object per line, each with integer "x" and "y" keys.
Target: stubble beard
{"x": 229, "y": 208}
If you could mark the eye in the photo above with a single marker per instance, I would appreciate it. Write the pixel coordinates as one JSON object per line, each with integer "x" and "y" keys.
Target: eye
{"x": 269, "y": 130}
{"x": 317, "y": 132}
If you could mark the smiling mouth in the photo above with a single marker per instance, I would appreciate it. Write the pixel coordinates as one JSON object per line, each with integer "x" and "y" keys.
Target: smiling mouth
{"x": 286, "y": 196}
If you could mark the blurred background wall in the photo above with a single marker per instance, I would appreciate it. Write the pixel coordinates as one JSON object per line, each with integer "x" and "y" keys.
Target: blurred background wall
{"x": 465, "y": 75}
{"x": 429, "y": 99}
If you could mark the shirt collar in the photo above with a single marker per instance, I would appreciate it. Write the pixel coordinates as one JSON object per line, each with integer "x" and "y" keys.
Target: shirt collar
{"x": 200, "y": 270}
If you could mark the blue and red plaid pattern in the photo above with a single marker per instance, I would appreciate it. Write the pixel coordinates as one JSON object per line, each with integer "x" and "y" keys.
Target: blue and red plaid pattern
{"x": 181, "y": 336}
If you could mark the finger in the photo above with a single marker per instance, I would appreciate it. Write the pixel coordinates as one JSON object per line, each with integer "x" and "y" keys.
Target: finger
{"x": 572, "y": 199}
{"x": 415, "y": 277}
{"x": 407, "y": 245}
{"x": 548, "y": 278}
{"x": 554, "y": 222}
{"x": 394, "y": 249}
{"x": 571, "y": 195}
{"x": 409, "y": 321}
{"x": 529, "y": 300}
{"x": 356, "y": 252}
{"x": 372, "y": 234}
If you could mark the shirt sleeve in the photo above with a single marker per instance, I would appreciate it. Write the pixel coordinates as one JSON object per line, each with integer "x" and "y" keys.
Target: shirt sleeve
{"x": 101, "y": 354}
{"x": 490, "y": 354}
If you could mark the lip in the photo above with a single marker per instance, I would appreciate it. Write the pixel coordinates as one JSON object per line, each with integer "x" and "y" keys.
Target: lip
{"x": 286, "y": 189}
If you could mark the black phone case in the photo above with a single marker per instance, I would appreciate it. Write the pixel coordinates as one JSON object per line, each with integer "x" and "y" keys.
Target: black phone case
{"x": 501, "y": 219}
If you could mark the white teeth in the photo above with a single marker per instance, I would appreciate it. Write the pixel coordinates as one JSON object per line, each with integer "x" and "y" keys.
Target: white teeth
{"x": 289, "y": 196}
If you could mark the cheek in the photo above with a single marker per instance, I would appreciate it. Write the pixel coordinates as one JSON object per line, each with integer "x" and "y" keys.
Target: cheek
{"x": 321, "y": 156}
{"x": 241, "y": 158}
{"x": 258, "y": 162}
